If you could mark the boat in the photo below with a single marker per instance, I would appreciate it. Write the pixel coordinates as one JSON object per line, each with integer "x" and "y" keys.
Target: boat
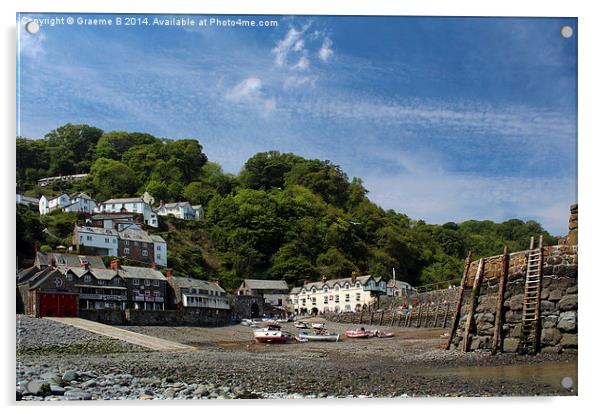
{"x": 319, "y": 336}
{"x": 272, "y": 335}
{"x": 358, "y": 333}
{"x": 317, "y": 325}
{"x": 384, "y": 334}
{"x": 301, "y": 325}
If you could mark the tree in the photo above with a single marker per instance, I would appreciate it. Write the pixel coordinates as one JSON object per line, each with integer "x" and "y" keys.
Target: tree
{"x": 71, "y": 148}
{"x": 116, "y": 143}
{"x": 334, "y": 264}
{"x": 113, "y": 179}
{"x": 266, "y": 170}
{"x": 323, "y": 178}
{"x": 158, "y": 189}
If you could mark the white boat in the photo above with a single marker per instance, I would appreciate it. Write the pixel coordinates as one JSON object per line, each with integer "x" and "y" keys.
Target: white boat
{"x": 326, "y": 337}
{"x": 301, "y": 325}
{"x": 317, "y": 325}
{"x": 272, "y": 335}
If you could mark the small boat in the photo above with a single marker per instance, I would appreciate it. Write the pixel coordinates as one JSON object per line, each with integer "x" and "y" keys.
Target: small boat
{"x": 317, "y": 325}
{"x": 319, "y": 336}
{"x": 358, "y": 333}
{"x": 272, "y": 335}
{"x": 301, "y": 325}
{"x": 384, "y": 334}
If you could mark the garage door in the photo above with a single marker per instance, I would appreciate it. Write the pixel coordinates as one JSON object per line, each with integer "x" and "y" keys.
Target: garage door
{"x": 58, "y": 304}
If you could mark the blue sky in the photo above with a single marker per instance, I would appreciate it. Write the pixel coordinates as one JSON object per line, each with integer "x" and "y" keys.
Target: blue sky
{"x": 445, "y": 119}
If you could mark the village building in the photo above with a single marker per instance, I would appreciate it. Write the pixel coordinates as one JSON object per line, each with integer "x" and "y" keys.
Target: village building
{"x": 117, "y": 221}
{"x": 186, "y": 292}
{"x": 78, "y": 203}
{"x": 27, "y": 201}
{"x": 43, "y": 182}
{"x": 61, "y": 284}
{"x": 130, "y": 242}
{"x": 397, "y": 288}
{"x": 273, "y": 292}
{"x": 181, "y": 210}
{"x": 338, "y": 295}
{"x": 130, "y": 205}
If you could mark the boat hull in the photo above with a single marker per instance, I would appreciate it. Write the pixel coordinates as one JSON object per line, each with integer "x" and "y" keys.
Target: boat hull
{"x": 319, "y": 338}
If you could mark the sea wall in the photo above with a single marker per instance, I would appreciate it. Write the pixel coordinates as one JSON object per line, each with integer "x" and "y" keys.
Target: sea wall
{"x": 558, "y": 306}
{"x": 180, "y": 317}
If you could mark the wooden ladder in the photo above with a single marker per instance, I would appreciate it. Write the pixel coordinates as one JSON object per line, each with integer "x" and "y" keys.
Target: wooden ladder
{"x": 532, "y": 299}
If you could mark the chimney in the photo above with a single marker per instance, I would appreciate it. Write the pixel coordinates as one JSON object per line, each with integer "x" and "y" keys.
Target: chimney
{"x": 324, "y": 279}
{"x": 169, "y": 273}
{"x": 52, "y": 261}
{"x": 216, "y": 281}
{"x": 305, "y": 282}
{"x": 154, "y": 266}
{"x": 86, "y": 265}
{"x": 115, "y": 264}
{"x": 353, "y": 277}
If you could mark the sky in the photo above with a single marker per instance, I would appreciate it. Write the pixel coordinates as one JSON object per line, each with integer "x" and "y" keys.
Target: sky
{"x": 444, "y": 119}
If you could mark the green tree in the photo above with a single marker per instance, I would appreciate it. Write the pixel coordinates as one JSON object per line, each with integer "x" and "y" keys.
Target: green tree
{"x": 113, "y": 179}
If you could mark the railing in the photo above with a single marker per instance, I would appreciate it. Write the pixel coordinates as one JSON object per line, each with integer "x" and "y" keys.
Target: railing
{"x": 438, "y": 285}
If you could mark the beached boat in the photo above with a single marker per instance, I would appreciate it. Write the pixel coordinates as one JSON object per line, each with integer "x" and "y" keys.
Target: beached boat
{"x": 317, "y": 325}
{"x": 327, "y": 337}
{"x": 272, "y": 335}
{"x": 358, "y": 333}
{"x": 301, "y": 325}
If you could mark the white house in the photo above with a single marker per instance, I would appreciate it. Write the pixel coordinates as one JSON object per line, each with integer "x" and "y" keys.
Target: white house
{"x": 338, "y": 295}
{"x": 399, "y": 288}
{"x": 182, "y": 210}
{"x": 196, "y": 293}
{"x": 43, "y": 182}
{"x": 130, "y": 205}
{"x": 47, "y": 204}
{"x": 78, "y": 203}
{"x": 96, "y": 240}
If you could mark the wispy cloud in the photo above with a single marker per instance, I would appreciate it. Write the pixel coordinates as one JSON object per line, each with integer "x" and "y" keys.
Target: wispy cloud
{"x": 326, "y": 51}
{"x": 249, "y": 91}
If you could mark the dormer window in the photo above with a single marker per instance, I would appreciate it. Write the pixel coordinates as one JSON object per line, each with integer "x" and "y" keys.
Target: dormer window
{"x": 87, "y": 278}
{"x": 358, "y": 285}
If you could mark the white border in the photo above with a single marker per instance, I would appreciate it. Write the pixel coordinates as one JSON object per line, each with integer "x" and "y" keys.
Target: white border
{"x": 590, "y": 70}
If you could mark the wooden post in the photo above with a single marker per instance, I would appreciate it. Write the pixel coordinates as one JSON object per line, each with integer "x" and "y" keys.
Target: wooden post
{"x": 407, "y": 319}
{"x": 426, "y": 315}
{"x": 361, "y": 314}
{"x": 471, "y": 304}
{"x": 371, "y": 317}
{"x": 499, "y": 309}
{"x": 456, "y": 319}
{"x": 446, "y": 314}
{"x": 436, "y": 315}
{"x": 382, "y": 315}
{"x": 419, "y": 318}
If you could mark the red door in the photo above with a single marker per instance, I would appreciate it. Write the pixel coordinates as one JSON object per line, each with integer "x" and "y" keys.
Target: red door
{"x": 58, "y": 304}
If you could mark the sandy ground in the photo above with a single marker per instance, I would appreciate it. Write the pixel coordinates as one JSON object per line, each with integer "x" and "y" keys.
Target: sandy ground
{"x": 412, "y": 363}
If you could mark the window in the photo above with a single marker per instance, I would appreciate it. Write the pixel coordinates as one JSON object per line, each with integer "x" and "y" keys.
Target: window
{"x": 69, "y": 277}
{"x": 135, "y": 243}
{"x": 135, "y": 282}
{"x": 144, "y": 244}
{"x": 358, "y": 297}
{"x": 126, "y": 250}
{"x": 107, "y": 240}
{"x": 336, "y": 288}
{"x": 347, "y": 297}
{"x": 303, "y": 302}
{"x": 158, "y": 248}
{"x": 117, "y": 281}
{"x": 325, "y": 300}
{"x": 126, "y": 242}
{"x": 89, "y": 238}
{"x": 313, "y": 300}
{"x": 114, "y": 241}
{"x": 146, "y": 282}
{"x": 336, "y": 298}
{"x": 155, "y": 283}
{"x": 325, "y": 288}
{"x": 358, "y": 285}
{"x": 87, "y": 278}
{"x": 101, "y": 282}
{"x": 144, "y": 252}
{"x": 158, "y": 256}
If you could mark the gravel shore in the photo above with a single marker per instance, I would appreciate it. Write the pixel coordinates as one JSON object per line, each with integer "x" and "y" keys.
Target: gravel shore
{"x": 228, "y": 364}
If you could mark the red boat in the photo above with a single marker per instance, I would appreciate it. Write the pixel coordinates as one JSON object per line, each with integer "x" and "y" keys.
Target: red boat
{"x": 358, "y": 333}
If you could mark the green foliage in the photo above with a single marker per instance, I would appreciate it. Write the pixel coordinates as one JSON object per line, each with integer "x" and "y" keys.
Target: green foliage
{"x": 113, "y": 179}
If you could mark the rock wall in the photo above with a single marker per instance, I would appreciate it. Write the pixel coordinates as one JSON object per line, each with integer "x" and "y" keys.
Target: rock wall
{"x": 246, "y": 306}
{"x": 558, "y": 307}
{"x": 180, "y": 317}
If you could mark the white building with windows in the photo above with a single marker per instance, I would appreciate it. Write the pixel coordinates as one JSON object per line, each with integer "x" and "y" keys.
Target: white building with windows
{"x": 96, "y": 240}
{"x": 182, "y": 210}
{"x": 130, "y": 205}
{"x": 337, "y": 295}
{"x": 78, "y": 203}
{"x": 398, "y": 288}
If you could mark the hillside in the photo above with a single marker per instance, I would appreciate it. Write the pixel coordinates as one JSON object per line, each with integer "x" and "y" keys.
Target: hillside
{"x": 282, "y": 216}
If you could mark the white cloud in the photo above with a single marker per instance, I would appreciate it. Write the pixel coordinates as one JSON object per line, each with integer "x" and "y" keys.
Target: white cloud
{"x": 302, "y": 64}
{"x": 299, "y": 81}
{"x": 326, "y": 50}
{"x": 292, "y": 40}
{"x": 250, "y": 91}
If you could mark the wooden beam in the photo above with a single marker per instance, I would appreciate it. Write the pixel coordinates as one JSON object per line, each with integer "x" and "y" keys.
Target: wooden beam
{"x": 446, "y": 315}
{"x": 456, "y": 318}
{"x": 472, "y": 304}
{"x": 382, "y": 315}
{"x": 419, "y": 318}
{"x": 499, "y": 309}
{"x": 436, "y": 316}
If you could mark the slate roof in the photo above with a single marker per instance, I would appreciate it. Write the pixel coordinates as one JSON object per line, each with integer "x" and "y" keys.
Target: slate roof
{"x": 124, "y": 200}
{"x": 30, "y": 273}
{"x": 188, "y": 282}
{"x": 113, "y": 216}
{"x": 177, "y": 204}
{"x": 100, "y": 274}
{"x": 399, "y": 284}
{"x": 43, "y": 259}
{"x": 261, "y": 284}
{"x": 135, "y": 234}
{"x": 31, "y": 200}
{"x": 41, "y": 277}
{"x": 133, "y": 272}
{"x": 341, "y": 282}
{"x": 295, "y": 290}
{"x": 97, "y": 230}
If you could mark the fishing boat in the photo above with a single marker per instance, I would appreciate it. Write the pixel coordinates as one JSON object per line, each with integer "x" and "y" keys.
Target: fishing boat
{"x": 317, "y": 325}
{"x": 301, "y": 325}
{"x": 272, "y": 335}
{"x": 319, "y": 336}
{"x": 358, "y": 333}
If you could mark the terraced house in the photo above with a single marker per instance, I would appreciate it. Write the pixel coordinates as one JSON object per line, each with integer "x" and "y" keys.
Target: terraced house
{"x": 337, "y": 295}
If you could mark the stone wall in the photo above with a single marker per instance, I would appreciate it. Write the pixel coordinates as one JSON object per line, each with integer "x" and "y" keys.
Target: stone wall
{"x": 246, "y": 306}
{"x": 181, "y": 317}
{"x": 558, "y": 307}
